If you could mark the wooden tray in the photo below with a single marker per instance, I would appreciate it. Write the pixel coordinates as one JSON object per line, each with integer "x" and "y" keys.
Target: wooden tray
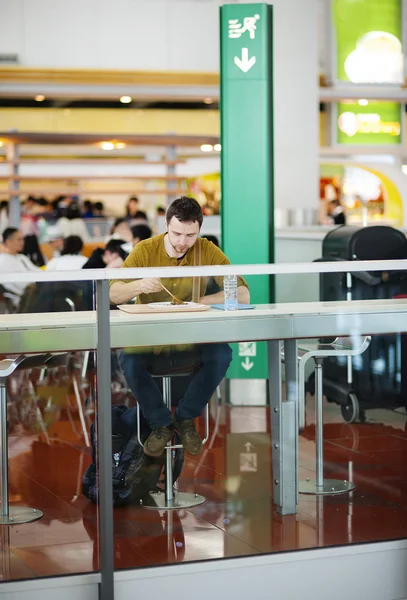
{"x": 138, "y": 309}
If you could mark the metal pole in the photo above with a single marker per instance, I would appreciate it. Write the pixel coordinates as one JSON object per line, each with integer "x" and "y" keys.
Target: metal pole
{"x": 4, "y": 450}
{"x": 169, "y": 492}
{"x": 14, "y": 186}
{"x": 319, "y": 422}
{"x": 170, "y": 533}
{"x": 104, "y": 437}
{"x": 292, "y": 392}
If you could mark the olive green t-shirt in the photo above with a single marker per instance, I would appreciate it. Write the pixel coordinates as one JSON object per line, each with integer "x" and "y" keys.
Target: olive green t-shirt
{"x": 152, "y": 253}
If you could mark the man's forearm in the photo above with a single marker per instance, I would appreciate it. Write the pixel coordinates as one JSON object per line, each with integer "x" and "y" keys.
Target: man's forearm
{"x": 121, "y": 292}
{"x": 243, "y": 297}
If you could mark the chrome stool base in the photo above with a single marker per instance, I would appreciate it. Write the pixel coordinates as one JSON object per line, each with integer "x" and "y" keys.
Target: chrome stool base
{"x": 20, "y": 514}
{"x": 329, "y": 487}
{"x": 157, "y": 500}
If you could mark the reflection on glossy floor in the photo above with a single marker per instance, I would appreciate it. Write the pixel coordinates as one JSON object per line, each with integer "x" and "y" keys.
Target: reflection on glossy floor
{"x": 237, "y": 518}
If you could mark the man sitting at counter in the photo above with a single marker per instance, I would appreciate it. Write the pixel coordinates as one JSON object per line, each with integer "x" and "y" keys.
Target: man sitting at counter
{"x": 179, "y": 245}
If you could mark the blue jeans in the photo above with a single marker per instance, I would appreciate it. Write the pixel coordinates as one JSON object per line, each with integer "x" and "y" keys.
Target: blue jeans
{"x": 211, "y": 362}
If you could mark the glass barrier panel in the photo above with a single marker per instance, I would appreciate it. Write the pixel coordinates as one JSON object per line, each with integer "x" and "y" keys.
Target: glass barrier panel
{"x": 238, "y": 470}
{"x": 50, "y": 411}
{"x": 323, "y": 378}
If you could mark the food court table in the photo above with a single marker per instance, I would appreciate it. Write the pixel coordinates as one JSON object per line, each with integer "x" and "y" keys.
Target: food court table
{"x": 278, "y": 324}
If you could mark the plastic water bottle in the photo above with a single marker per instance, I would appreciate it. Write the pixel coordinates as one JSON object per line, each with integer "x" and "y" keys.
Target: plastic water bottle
{"x": 230, "y": 290}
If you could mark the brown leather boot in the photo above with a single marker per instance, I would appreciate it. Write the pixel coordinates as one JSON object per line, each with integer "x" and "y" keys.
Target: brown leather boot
{"x": 189, "y": 436}
{"x": 158, "y": 439}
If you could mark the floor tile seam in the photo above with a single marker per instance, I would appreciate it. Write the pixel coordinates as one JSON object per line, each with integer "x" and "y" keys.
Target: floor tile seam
{"x": 360, "y": 453}
{"x": 15, "y": 549}
{"x": 81, "y": 449}
{"x": 399, "y": 437}
{"x": 367, "y": 437}
{"x": 224, "y": 531}
{"x": 343, "y": 448}
{"x": 21, "y": 560}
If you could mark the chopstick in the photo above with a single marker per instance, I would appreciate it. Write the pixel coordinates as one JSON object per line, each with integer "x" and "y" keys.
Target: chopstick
{"x": 168, "y": 292}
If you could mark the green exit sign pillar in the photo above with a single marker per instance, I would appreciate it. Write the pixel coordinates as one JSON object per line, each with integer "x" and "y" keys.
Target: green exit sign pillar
{"x": 247, "y": 157}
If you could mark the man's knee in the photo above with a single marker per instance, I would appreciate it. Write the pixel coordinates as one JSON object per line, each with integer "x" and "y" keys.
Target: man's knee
{"x": 132, "y": 364}
{"x": 220, "y": 354}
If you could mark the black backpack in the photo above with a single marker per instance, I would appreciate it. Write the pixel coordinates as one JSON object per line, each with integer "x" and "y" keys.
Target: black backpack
{"x": 134, "y": 473}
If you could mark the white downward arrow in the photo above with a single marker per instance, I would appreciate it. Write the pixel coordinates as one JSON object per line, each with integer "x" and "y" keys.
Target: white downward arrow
{"x": 247, "y": 364}
{"x": 244, "y": 63}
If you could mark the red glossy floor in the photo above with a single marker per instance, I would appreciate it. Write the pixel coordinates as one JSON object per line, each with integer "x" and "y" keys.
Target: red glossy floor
{"x": 238, "y": 517}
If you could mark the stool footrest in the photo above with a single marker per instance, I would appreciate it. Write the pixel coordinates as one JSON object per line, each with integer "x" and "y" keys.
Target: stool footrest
{"x": 157, "y": 500}
{"x": 330, "y": 487}
{"x": 20, "y": 514}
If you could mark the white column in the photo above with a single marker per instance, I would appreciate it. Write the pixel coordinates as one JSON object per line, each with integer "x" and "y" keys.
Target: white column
{"x": 296, "y": 103}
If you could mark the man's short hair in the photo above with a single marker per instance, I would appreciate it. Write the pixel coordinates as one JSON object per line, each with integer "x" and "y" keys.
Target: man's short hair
{"x": 186, "y": 210}
{"x": 8, "y": 232}
{"x": 143, "y": 232}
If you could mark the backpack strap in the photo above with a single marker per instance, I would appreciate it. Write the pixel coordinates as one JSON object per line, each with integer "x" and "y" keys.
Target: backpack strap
{"x": 196, "y": 281}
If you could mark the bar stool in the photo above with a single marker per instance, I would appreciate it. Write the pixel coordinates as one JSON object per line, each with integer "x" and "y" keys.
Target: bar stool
{"x": 318, "y": 352}
{"x": 172, "y": 499}
{"x": 13, "y": 515}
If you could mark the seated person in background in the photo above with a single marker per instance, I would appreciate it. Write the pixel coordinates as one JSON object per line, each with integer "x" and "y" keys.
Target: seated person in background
{"x": 160, "y": 211}
{"x": 71, "y": 258}
{"x": 111, "y": 256}
{"x": 133, "y": 206}
{"x": 337, "y": 213}
{"x": 12, "y": 261}
{"x": 178, "y": 246}
{"x": 121, "y": 231}
{"x": 99, "y": 210}
{"x": 73, "y": 224}
{"x": 87, "y": 210}
{"x": 3, "y": 215}
{"x": 55, "y": 240}
{"x": 212, "y": 238}
{"x": 31, "y": 249}
{"x": 140, "y": 232}
{"x": 212, "y": 287}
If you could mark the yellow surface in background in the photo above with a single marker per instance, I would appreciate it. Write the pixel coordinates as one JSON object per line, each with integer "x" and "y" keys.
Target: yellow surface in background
{"x": 393, "y": 207}
{"x": 124, "y": 121}
{"x": 110, "y": 120}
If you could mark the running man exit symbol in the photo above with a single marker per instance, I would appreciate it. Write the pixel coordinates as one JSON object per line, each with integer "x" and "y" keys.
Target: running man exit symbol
{"x": 236, "y": 29}
{"x": 247, "y": 349}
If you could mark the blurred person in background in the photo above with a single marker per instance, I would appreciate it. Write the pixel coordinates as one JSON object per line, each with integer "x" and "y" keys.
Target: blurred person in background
{"x": 3, "y": 215}
{"x": 121, "y": 230}
{"x": 87, "y": 210}
{"x": 111, "y": 256}
{"x": 133, "y": 206}
{"x": 99, "y": 210}
{"x": 32, "y": 250}
{"x": 140, "y": 232}
{"x": 337, "y": 213}
{"x": 71, "y": 258}
{"x": 73, "y": 224}
{"x": 62, "y": 205}
{"x": 55, "y": 240}
{"x": 160, "y": 211}
{"x": 211, "y": 238}
{"x": 13, "y": 261}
